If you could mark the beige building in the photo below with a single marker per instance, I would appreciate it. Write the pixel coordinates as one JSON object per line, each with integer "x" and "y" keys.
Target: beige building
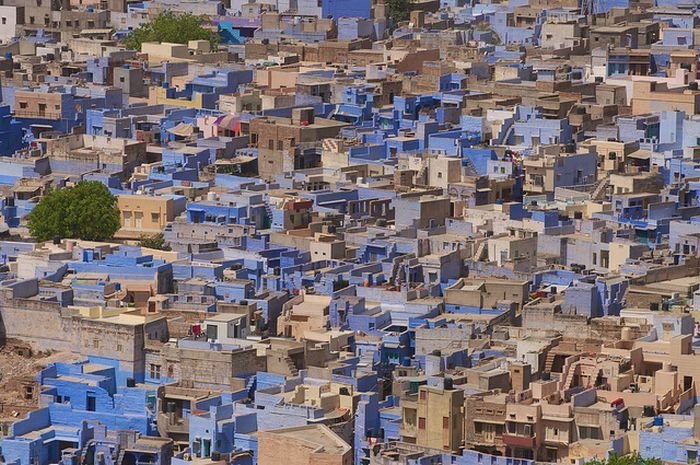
{"x": 146, "y": 214}
{"x": 304, "y": 312}
{"x": 303, "y": 445}
{"x": 283, "y": 142}
{"x": 486, "y": 293}
{"x": 650, "y": 96}
{"x": 612, "y": 155}
{"x": 434, "y": 417}
{"x": 517, "y": 251}
{"x": 326, "y": 247}
{"x": 195, "y": 51}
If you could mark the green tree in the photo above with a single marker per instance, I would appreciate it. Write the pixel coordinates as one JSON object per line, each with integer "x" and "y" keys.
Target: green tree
{"x": 87, "y": 211}
{"x": 173, "y": 28}
{"x": 630, "y": 459}
{"x": 397, "y": 10}
{"x": 156, "y": 241}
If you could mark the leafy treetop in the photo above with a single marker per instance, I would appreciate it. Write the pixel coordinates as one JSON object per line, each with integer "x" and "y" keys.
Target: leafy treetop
{"x": 630, "y": 459}
{"x": 172, "y": 28}
{"x": 87, "y": 211}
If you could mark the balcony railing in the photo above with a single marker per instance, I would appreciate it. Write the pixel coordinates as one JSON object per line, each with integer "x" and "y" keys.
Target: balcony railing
{"x": 52, "y": 115}
{"x": 408, "y": 430}
{"x": 514, "y": 440}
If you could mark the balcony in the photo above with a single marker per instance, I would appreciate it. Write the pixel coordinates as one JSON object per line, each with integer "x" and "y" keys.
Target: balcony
{"x": 50, "y": 115}
{"x": 408, "y": 430}
{"x": 524, "y": 442}
{"x": 557, "y": 440}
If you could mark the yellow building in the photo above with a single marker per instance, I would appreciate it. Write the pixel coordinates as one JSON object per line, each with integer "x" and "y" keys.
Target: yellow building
{"x": 145, "y": 214}
{"x": 434, "y": 418}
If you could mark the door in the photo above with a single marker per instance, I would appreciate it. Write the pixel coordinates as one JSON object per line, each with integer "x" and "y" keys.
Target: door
{"x": 489, "y": 432}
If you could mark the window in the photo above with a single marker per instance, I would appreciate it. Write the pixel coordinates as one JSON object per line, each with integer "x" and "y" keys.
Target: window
{"x": 439, "y": 175}
{"x": 155, "y": 371}
{"x": 138, "y": 216}
{"x": 445, "y": 423}
{"x": 421, "y": 423}
{"x": 121, "y": 78}
{"x": 692, "y": 456}
{"x": 23, "y": 105}
{"x": 271, "y": 144}
{"x": 90, "y": 403}
{"x": 28, "y": 392}
{"x": 4, "y": 20}
{"x": 155, "y": 217}
{"x": 119, "y": 348}
{"x": 422, "y": 395}
{"x": 589, "y": 432}
{"x": 95, "y": 343}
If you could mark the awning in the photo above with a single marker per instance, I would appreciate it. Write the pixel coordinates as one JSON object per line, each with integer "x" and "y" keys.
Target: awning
{"x": 230, "y": 122}
{"x": 182, "y": 130}
{"x": 239, "y": 160}
{"x": 640, "y": 155}
{"x": 96, "y": 31}
{"x": 490, "y": 421}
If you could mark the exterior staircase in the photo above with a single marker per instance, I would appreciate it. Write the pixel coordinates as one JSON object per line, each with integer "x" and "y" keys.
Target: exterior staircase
{"x": 422, "y": 176}
{"x": 292, "y": 368}
{"x": 251, "y": 385}
{"x": 120, "y": 457}
{"x": 549, "y": 361}
{"x": 479, "y": 254}
{"x": 268, "y": 212}
{"x": 470, "y": 168}
{"x": 601, "y": 189}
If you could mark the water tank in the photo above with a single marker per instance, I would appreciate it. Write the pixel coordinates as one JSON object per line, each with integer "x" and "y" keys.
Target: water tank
{"x": 211, "y": 196}
{"x": 449, "y": 383}
{"x": 658, "y": 420}
{"x": 130, "y": 382}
